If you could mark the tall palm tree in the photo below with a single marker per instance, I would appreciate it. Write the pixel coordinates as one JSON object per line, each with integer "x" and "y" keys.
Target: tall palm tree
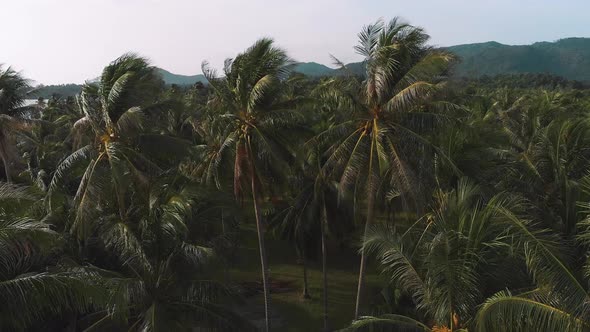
{"x": 162, "y": 280}
{"x": 464, "y": 255}
{"x": 46, "y": 145}
{"x": 256, "y": 122}
{"x": 560, "y": 302}
{"x": 307, "y": 214}
{"x": 14, "y": 115}
{"x": 297, "y": 223}
{"x": 396, "y": 94}
{"x": 113, "y": 118}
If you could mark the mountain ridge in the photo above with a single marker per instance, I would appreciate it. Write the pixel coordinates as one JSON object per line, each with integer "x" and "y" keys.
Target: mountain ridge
{"x": 178, "y": 79}
{"x": 567, "y": 57}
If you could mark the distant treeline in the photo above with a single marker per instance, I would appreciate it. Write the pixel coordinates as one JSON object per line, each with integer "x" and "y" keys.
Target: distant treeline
{"x": 58, "y": 91}
{"x": 525, "y": 81}
{"x": 518, "y": 81}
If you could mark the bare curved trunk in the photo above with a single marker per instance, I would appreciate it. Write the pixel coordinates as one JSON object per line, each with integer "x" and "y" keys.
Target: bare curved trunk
{"x": 226, "y": 261}
{"x": 363, "y": 265}
{"x": 263, "y": 261}
{"x": 305, "y": 294}
{"x": 324, "y": 265}
{"x": 6, "y": 169}
{"x": 72, "y": 324}
{"x": 4, "y": 153}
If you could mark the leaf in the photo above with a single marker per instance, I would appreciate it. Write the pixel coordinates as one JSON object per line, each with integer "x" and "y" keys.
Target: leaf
{"x": 505, "y": 312}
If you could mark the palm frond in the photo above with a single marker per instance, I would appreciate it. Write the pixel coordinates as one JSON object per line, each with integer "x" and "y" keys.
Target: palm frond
{"x": 506, "y": 312}
{"x": 388, "y": 322}
{"x": 395, "y": 260}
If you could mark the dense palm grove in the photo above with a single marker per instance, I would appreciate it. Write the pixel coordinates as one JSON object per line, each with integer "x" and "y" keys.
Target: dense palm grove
{"x": 122, "y": 209}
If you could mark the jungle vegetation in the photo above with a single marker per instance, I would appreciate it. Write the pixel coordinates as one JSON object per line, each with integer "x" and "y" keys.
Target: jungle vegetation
{"x": 128, "y": 207}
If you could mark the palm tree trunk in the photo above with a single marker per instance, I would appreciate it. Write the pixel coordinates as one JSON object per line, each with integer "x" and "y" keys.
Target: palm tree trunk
{"x": 72, "y": 324}
{"x": 4, "y": 154}
{"x": 7, "y": 170}
{"x": 263, "y": 261}
{"x": 363, "y": 265}
{"x": 121, "y": 203}
{"x": 226, "y": 260}
{"x": 324, "y": 265}
{"x": 305, "y": 294}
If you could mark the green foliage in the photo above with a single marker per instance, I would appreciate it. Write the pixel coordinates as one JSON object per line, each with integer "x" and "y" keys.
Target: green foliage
{"x": 123, "y": 204}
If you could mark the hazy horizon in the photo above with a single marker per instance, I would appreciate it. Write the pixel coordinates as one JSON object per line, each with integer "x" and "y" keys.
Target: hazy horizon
{"x": 68, "y": 41}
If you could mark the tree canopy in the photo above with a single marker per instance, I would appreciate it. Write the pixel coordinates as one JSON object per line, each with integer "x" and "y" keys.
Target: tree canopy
{"x": 422, "y": 201}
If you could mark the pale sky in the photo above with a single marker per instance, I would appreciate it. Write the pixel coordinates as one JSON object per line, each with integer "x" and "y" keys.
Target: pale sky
{"x": 69, "y": 41}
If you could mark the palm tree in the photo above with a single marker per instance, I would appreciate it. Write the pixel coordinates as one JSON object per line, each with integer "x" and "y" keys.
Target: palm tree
{"x": 560, "y": 302}
{"x": 163, "y": 280}
{"x": 46, "y": 145}
{"x": 256, "y": 122}
{"x": 38, "y": 287}
{"x": 297, "y": 222}
{"x": 437, "y": 260}
{"x": 14, "y": 115}
{"x": 461, "y": 255}
{"x": 109, "y": 130}
{"x": 307, "y": 214}
{"x": 545, "y": 155}
{"x": 397, "y": 93}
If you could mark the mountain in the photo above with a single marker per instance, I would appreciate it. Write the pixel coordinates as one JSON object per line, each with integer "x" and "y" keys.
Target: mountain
{"x": 569, "y": 58}
{"x": 353, "y": 68}
{"x": 171, "y": 78}
{"x": 313, "y": 69}
{"x": 63, "y": 90}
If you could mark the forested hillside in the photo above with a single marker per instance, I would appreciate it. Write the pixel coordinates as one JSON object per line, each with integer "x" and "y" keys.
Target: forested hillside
{"x": 569, "y": 58}
{"x": 265, "y": 199}
{"x": 170, "y": 78}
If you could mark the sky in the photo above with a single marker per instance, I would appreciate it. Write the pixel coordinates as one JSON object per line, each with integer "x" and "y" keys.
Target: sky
{"x": 70, "y": 41}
